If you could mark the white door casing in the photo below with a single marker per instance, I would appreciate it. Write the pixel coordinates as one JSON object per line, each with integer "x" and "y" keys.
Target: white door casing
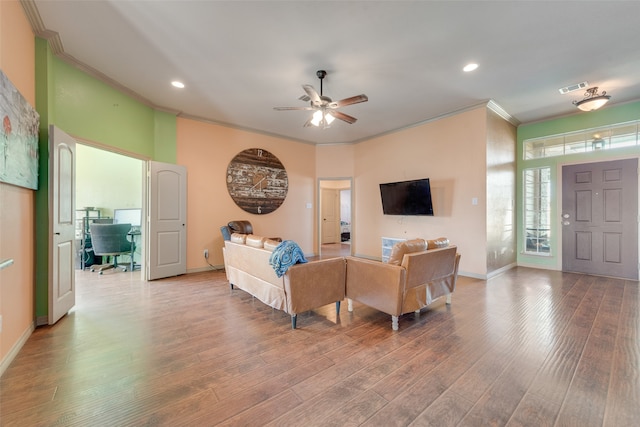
{"x": 62, "y": 170}
{"x": 167, "y": 220}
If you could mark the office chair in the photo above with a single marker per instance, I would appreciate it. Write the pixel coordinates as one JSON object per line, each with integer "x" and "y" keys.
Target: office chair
{"x": 111, "y": 240}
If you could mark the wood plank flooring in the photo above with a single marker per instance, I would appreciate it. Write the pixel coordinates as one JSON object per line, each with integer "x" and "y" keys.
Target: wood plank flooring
{"x": 526, "y": 348}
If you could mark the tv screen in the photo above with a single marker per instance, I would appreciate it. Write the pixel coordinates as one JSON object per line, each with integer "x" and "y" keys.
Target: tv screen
{"x": 407, "y": 197}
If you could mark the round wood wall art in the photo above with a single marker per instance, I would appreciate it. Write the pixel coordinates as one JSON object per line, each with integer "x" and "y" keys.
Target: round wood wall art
{"x": 257, "y": 181}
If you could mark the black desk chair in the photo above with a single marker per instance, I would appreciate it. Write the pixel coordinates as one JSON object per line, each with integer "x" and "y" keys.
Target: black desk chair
{"x": 111, "y": 240}
{"x": 242, "y": 227}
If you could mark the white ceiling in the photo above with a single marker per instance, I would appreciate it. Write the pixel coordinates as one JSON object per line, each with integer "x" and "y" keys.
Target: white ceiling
{"x": 239, "y": 59}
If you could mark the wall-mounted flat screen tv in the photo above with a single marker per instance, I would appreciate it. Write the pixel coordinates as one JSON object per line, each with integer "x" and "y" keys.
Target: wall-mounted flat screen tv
{"x": 407, "y": 198}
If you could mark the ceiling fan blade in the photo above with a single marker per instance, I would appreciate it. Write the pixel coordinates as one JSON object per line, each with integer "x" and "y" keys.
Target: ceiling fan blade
{"x": 313, "y": 95}
{"x": 348, "y": 101}
{"x": 342, "y": 116}
{"x": 293, "y": 108}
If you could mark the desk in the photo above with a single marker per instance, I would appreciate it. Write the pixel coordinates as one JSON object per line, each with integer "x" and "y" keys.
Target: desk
{"x": 133, "y": 235}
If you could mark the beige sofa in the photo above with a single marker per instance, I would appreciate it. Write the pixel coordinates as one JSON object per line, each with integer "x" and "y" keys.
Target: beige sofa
{"x": 418, "y": 272}
{"x": 302, "y": 288}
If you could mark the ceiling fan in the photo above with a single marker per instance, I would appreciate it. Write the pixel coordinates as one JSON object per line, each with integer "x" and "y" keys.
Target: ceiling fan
{"x": 325, "y": 110}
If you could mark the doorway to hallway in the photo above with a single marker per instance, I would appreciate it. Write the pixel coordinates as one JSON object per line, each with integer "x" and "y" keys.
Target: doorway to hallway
{"x": 335, "y": 222}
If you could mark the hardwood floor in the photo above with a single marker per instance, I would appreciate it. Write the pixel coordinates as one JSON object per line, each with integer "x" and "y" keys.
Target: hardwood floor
{"x": 529, "y": 347}
{"x": 331, "y": 250}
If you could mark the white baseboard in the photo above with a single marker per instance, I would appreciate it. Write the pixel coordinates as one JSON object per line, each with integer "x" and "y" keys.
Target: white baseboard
{"x": 538, "y": 266}
{"x": 472, "y": 275}
{"x": 16, "y": 348}
{"x": 207, "y": 268}
{"x": 501, "y": 270}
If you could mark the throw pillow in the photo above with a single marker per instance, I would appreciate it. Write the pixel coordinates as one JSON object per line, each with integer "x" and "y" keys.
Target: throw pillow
{"x": 255, "y": 241}
{"x": 238, "y": 238}
{"x": 440, "y": 242}
{"x": 406, "y": 247}
{"x": 271, "y": 244}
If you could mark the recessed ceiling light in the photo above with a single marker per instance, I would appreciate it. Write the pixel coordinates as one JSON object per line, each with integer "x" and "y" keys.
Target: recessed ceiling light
{"x": 177, "y": 84}
{"x": 470, "y": 67}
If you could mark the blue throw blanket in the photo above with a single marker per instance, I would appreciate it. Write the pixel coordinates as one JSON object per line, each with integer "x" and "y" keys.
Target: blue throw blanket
{"x": 286, "y": 254}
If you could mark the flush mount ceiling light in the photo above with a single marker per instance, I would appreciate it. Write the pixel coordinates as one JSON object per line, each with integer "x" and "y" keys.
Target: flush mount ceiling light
{"x": 592, "y": 100}
{"x": 177, "y": 84}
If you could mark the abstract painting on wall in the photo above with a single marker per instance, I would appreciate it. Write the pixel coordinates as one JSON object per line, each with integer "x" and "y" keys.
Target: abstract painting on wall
{"x": 18, "y": 137}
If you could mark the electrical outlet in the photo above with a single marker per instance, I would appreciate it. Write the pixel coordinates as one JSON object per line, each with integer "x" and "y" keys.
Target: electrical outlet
{"x": 206, "y": 254}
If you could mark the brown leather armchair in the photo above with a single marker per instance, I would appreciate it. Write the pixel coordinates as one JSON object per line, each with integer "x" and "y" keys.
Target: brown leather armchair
{"x": 420, "y": 278}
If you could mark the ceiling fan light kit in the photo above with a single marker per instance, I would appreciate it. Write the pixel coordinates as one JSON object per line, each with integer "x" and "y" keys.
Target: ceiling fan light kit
{"x": 592, "y": 100}
{"x": 324, "y": 108}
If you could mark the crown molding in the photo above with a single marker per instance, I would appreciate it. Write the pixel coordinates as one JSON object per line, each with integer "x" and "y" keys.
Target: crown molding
{"x": 57, "y": 48}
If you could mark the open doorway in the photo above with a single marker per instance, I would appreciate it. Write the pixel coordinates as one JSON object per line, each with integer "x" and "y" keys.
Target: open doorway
{"x": 335, "y": 217}
{"x": 109, "y": 188}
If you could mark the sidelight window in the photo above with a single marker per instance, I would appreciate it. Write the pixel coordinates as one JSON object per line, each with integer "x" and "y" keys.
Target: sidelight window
{"x": 537, "y": 211}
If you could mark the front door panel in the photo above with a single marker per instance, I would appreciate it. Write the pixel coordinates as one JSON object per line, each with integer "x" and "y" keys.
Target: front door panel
{"x": 600, "y": 218}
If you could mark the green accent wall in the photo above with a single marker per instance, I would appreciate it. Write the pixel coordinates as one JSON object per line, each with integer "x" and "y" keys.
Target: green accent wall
{"x": 165, "y": 147}
{"x": 89, "y": 109}
{"x": 607, "y": 116}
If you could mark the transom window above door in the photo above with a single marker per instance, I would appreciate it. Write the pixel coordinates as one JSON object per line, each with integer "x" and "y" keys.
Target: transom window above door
{"x": 583, "y": 141}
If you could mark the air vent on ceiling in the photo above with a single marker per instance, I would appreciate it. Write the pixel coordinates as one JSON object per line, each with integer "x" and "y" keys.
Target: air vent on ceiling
{"x": 571, "y": 88}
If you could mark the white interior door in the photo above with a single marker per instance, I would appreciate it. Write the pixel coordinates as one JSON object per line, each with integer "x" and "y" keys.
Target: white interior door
{"x": 62, "y": 170}
{"x": 167, "y": 227}
{"x": 330, "y": 205}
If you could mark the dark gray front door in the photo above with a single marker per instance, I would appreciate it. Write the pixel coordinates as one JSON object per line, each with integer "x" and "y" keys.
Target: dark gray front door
{"x": 600, "y": 218}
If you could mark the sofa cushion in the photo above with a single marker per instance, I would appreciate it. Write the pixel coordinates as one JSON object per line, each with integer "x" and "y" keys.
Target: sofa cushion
{"x": 406, "y": 247}
{"x": 255, "y": 241}
{"x": 440, "y": 242}
{"x": 238, "y": 238}
{"x": 271, "y": 244}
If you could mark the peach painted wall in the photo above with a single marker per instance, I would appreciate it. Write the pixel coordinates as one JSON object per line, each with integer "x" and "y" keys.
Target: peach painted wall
{"x": 452, "y": 153}
{"x": 206, "y": 150}
{"x": 17, "y": 206}
{"x": 335, "y": 161}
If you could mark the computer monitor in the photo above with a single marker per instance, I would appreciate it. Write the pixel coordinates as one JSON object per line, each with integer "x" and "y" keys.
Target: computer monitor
{"x": 128, "y": 216}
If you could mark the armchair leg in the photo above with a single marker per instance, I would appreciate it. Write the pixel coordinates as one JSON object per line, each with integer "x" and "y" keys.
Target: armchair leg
{"x": 394, "y": 323}
{"x": 293, "y": 321}
{"x": 337, "y": 307}
{"x": 349, "y": 304}
{"x": 448, "y": 299}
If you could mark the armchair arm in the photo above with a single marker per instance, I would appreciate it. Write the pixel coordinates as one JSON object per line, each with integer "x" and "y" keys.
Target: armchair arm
{"x": 314, "y": 284}
{"x": 376, "y": 284}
